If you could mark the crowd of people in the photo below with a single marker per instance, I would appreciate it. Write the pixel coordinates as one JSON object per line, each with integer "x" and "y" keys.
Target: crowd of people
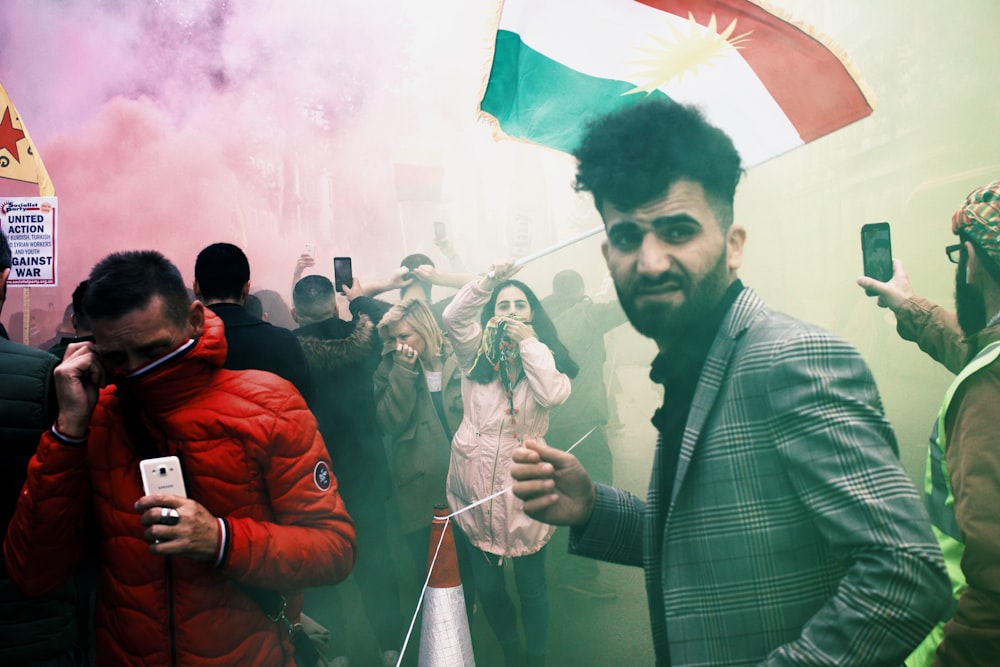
{"x": 779, "y": 528}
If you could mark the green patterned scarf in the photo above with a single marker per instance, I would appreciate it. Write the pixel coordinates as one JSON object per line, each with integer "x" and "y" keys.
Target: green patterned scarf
{"x": 502, "y": 355}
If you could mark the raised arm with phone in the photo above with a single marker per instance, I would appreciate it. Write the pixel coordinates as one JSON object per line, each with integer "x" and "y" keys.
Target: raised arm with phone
{"x": 961, "y": 489}
{"x": 933, "y": 327}
{"x": 876, "y": 251}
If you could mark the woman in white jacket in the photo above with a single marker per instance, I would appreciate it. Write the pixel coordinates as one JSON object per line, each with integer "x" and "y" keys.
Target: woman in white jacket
{"x": 515, "y": 369}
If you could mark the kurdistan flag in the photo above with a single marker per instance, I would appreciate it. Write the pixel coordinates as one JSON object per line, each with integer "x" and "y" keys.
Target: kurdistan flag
{"x": 770, "y": 84}
{"x": 18, "y": 158}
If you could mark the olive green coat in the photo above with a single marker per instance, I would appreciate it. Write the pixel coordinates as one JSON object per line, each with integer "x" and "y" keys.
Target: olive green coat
{"x": 419, "y": 448}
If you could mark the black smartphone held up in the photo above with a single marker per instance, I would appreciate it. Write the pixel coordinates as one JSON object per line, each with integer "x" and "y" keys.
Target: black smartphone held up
{"x": 876, "y": 252}
{"x": 342, "y": 273}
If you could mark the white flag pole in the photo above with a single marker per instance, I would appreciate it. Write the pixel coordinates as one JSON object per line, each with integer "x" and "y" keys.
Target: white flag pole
{"x": 553, "y": 248}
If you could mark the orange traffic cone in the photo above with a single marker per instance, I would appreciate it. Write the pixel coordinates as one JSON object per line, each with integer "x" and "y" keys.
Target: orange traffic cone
{"x": 444, "y": 638}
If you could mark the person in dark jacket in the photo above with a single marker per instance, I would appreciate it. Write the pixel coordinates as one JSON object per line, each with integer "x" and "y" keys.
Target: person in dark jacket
{"x": 582, "y": 324}
{"x": 32, "y": 630}
{"x": 64, "y": 330}
{"x": 222, "y": 282}
{"x": 79, "y": 322}
{"x": 343, "y": 356}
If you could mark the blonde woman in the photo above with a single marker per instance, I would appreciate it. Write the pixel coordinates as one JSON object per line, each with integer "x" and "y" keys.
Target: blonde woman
{"x": 419, "y": 406}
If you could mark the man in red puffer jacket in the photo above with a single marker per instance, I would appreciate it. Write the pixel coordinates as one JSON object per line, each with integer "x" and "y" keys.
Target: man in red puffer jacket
{"x": 183, "y": 580}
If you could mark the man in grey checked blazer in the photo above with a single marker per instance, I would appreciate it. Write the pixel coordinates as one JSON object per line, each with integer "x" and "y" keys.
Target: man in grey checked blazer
{"x": 779, "y": 527}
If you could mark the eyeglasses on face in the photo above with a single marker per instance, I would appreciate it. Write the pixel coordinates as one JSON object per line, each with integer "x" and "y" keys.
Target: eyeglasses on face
{"x": 954, "y": 252}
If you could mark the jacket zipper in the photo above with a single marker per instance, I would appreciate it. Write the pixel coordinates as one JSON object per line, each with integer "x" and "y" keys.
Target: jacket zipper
{"x": 493, "y": 482}
{"x": 175, "y": 451}
{"x": 170, "y": 610}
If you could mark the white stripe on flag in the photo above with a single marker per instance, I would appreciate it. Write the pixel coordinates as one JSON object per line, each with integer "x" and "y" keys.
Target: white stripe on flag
{"x": 602, "y": 38}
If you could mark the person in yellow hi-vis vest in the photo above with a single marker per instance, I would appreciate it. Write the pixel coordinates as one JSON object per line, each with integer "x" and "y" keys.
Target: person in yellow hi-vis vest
{"x": 962, "y": 486}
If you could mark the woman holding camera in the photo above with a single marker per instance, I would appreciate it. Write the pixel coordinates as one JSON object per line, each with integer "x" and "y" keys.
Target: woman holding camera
{"x": 516, "y": 369}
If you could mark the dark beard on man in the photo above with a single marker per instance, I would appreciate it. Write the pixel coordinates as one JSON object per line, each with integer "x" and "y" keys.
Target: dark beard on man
{"x": 666, "y": 321}
{"x": 970, "y": 306}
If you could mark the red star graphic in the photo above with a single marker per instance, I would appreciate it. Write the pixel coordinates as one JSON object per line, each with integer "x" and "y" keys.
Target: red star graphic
{"x": 10, "y": 135}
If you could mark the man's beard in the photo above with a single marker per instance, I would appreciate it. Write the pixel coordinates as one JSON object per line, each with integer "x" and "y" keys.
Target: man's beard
{"x": 665, "y": 321}
{"x": 969, "y": 306}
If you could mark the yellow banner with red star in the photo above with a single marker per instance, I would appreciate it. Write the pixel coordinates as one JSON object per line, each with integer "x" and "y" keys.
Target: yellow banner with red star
{"x": 19, "y": 159}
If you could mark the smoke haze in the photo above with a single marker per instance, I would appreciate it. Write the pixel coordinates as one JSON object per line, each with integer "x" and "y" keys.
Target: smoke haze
{"x": 352, "y": 125}
{"x": 178, "y": 123}
{"x": 175, "y": 124}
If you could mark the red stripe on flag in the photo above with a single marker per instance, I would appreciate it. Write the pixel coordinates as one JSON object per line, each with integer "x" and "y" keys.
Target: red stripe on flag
{"x": 808, "y": 81}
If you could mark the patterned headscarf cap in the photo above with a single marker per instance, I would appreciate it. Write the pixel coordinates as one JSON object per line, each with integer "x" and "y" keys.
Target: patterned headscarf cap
{"x": 979, "y": 219}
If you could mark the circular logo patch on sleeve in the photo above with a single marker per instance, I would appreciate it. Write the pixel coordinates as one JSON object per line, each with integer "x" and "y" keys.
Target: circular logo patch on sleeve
{"x": 322, "y": 476}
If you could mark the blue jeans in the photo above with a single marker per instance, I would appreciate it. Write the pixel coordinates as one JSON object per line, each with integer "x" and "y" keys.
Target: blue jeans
{"x": 529, "y": 573}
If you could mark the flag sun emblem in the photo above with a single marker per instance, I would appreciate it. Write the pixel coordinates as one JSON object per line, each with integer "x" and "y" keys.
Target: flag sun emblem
{"x": 677, "y": 54}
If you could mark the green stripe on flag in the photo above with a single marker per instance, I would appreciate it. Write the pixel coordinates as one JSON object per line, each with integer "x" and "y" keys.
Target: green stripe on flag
{"x": 538, "y": 99}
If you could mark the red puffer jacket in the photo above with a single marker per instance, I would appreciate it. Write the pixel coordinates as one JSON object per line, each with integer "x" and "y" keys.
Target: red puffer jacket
{"x": 251, "y": 455}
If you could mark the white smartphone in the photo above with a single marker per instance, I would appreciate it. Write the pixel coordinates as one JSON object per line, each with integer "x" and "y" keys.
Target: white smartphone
{"x": 310, "y": 249}
{"x": 162, "y": 475}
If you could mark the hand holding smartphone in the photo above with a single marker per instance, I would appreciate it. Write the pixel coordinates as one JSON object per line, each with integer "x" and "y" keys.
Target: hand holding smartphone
{"x": 343, "y": 274}
{"x": 162, "y": 475}
{"x": 876, "y": 252}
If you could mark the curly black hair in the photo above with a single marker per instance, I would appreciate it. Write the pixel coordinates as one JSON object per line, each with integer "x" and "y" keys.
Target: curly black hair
{"x": 633, "y": 155}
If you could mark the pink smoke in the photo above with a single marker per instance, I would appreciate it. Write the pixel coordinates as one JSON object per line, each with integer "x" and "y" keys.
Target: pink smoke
{"x": 175, "y": 124}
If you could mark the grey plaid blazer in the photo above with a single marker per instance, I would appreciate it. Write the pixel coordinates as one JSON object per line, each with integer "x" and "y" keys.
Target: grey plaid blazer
{"x": 793, "y": 535}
